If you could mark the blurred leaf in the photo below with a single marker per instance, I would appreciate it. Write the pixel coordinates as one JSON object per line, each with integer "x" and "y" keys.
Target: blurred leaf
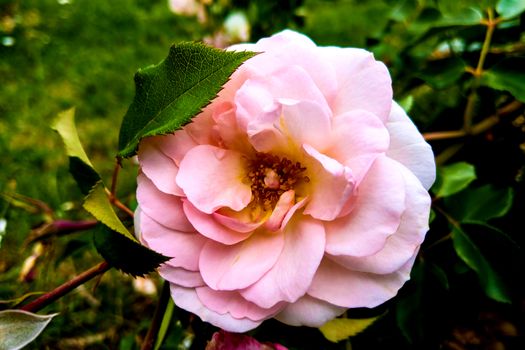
{"x": 453, "y": 178}
{"x": 341, "y": 328}
{"x": 443, "y": 73}
{"x": 407, "y": 103}
{"x": 19, "y": 300}
{"x": 480, "y": 204}
{"x": 166, "y": 321}
{"x": 169, "y": 94}
{"x": 507, "y": 75}
{"x": 464, "y": 16}
{"x": 409, "y": 308}
{"x": 124, "y": 254}
{"x": 510, "y": 8}
{"x": 97, "y": 204}
{"x": 19, "y": 328}
{"x": 65, "y": 126}
{"x": 470, "y": 253}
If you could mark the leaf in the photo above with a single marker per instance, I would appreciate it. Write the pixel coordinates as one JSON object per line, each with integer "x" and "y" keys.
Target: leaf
{"x": 125, "y": 254}
{"x": 85, "y": 176}
{"x": 470, "y": 253}
{"x": 443, "y": 73}
{"x": 166, "y": 320}
{"x": 510, "y": 8}
{"x": 19, "y": 328}
{"x": 341, "y": 328}
{"x": 480, "y": 204}
{"x": 453, "y": 178}
{"x": 169, "y": 94}
{"x": 507, "y": 75}
{"x": 98, "y": 205}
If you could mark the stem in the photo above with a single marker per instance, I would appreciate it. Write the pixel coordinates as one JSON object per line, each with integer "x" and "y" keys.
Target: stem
{"x": 113, "y": 200}
{"x": 151, "y": 336}
{"x": 65, "y": 288}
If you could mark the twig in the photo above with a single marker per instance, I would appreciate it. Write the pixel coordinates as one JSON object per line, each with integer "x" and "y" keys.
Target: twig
{"x": 65, "y": 288}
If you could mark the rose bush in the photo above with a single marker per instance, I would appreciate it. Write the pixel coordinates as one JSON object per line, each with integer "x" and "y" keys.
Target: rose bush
{"x": 299, "y": 192}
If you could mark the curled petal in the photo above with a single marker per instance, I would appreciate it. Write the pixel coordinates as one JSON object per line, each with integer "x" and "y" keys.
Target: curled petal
{"x": 283, "y": 206}
{"x": 180, "y": 276}
{"x": 331, "y": 185}
{"x": 187, "y": 299}
{"x": 290, "y": 277}
{"x": 233, "y": 303}
{"x": 408, "y": 147}
{"x": 163, "y": 208}
{"x": 401, "y": 246}
{"x": 184, "y": 248}
{"x": 346, "y": 288}
{"x": 230, "y": 267}
{"x": 212, "y": 178}
{"x": 309, "y": 311}
{"x": 376, "y": 215}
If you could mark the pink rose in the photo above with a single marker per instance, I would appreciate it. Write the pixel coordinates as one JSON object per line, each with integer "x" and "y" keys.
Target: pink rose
{"x": 232, "y": 341}
{"x": 299, "y": 192}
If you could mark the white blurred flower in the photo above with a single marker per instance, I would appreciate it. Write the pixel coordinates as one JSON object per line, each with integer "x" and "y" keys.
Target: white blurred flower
{"x": 237, "y": 27}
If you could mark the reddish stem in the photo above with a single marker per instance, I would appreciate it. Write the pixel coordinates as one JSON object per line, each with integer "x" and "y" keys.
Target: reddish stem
{"x": 65, "y": 288}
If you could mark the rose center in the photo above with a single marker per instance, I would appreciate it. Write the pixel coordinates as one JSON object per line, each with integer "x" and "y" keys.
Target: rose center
{"x": 270, "y": 176}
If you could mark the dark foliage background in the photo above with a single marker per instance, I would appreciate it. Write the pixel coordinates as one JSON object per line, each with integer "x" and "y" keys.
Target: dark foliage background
{"x": 458, "y": 68}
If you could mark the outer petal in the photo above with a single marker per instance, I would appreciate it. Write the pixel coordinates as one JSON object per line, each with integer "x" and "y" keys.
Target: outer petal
{"x": 331, "y": 185}
{"x": 376, "y": 215}
{"x": 184, "y": 248}
{"x": 339, "y": 286}
{"x": 290, "y": 277}
{"x": 309, "y": 311}
{"x": 187, "y": 299}
{"x": 363, "y": 82}
{"x": 401, "y": 246}
{"x": 238, "y": 266}
{"x": 212, "y": 177}
{"x": 207, "y": 226}
{"x": 158, "y": 167}
{"x": 182, "y": 277}
{"x": 163, "y": 208}
{"x": 231, "y": 302}
{"x": 358, "y": 138}
{"x": 408, "y": 147}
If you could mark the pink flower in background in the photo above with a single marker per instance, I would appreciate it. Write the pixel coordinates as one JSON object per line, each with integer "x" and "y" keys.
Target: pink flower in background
{"x": 300, "y": 192}
{"x": 232, "y": 341}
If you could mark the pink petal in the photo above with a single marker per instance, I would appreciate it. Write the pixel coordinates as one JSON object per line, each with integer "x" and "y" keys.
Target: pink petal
{"x": 357, "y": 138}
{"x": 346, "y": 288}
{"x": 237, "y": 266}
{"x": 207, "y": 226}
{"x": 363, "y": 82}
{"x": 212, "y": 178}
{"x": 331, "y": 185}
{"x": 187, "y": 299}
{"x": 163, "y": 208}
{"x": 233, "y": 303}
{"x": 376, "y": 215}
{"x": 182, "y": 277}
{"x": 307, "y": 122}
{"x": 229, "y": 134}
{"x": 158, "y": 167}
{"x": 290, "y": 277}
{"x": 408, "y": 147}
{"x": 184, "y": 248}
{"x": 401, "y": 246}
{"x": 240, "y": 221}
{"x": 310, "y": 312}
{"x": 284, "y": 204}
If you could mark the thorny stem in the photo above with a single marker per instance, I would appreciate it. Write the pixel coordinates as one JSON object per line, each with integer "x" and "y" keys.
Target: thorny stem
{"x": 151, "y": 336}
{"x": 65, "y": 288}
{"x": 112, "y": 192}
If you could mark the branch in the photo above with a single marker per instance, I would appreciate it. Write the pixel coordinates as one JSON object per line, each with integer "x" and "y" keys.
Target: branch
{"x": 65, "y": 288}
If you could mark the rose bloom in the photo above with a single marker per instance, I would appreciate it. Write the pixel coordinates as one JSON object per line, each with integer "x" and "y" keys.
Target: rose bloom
{"x": 299, "y": 192}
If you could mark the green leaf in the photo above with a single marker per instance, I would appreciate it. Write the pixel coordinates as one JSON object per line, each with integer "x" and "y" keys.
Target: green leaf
{"x": 169, "y": 94}
{"x": 19, "y": 328}
{"x": 97, "y": 204}
{"x": 85, "y": 176}
{"x": 510, "y": 8}
{"x": 471, "y": 254}
{"x": 507, "y": 75}
{"x": 165, "y": 324}
{"x": 342, "y": 328}
{"x": 480, "y": 204}
{"x": 125, "y": 254}
{"x": 443, "y": 73}
{"x": 453, "y": 178}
